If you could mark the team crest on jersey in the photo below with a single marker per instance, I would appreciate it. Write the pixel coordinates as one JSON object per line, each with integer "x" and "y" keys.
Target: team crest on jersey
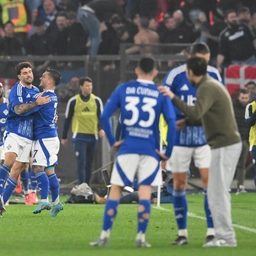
{"x": 5, "y": 112}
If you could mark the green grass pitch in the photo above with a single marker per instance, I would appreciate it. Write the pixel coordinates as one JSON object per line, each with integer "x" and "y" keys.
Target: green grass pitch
{"x": 22, "y": 233}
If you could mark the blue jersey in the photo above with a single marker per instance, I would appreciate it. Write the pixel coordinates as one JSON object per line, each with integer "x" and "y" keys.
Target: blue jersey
{"x": 3, "y": 116}
{"x": 176, "y": 79}
{"x": 140, "y": 106}
{"x": 22, "y": 125}
{"x": 45, "y": 118}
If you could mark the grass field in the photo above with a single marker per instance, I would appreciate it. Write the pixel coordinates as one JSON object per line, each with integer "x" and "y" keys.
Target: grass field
{"x": 22, "y": 233}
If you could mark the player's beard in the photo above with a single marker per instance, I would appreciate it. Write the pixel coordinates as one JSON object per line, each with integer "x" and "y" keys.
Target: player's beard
{"x": 233, "y": 24}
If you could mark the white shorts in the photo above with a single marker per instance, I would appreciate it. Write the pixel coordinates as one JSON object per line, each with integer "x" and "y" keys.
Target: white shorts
{"x": 19, "y": 145}
{"x": 2, "y": 152}
{"x": 181, "y": 157}
{"x": 146, "y": 167}
{"x": 45, "y": 152}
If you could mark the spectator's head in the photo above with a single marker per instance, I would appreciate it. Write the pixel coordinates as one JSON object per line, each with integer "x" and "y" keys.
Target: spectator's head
{"x": 115, "y": 21}
{"x": 144, "y": 22}
{"x": 231, "y": 18}
{"x": 49, "y": 6}
{"x": 146, "y": 68}
{"x": 85, "y": 85}
{"x": 24, "y": 73}
{"x": 71, "y": 17}
{"x": 153, "y": 24}
{"x": 200, "y": 50}
{"x": 251, "y": 88}
{"x": 9, "y": 28}
{"x": 50, "y": 79}
{"x": 243, "y": 96}
{"x": 178, "y": 16}
{"x": 170, "y": 23}
{"x": 39, "y": 26}
{"x": 61, "y": 20}
{"x": 244, "y": 15}
{"x": 74, "y": 83}
{"x": 196, "y": 69}
{"x": 136, "y": 20}
{"x": 122, "y": 33}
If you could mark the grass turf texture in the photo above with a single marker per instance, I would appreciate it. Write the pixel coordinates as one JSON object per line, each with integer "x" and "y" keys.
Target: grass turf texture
{"x": 23, "y": 233}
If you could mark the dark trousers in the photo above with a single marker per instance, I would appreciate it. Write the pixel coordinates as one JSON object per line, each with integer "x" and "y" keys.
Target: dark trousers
{"x": 253, "y": 156}
{"x": 240, "y": 168}
{"x": 84, "y": 151}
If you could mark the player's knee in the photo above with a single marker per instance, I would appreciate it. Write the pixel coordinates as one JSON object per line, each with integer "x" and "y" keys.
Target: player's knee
{"x": 37, "y": 168}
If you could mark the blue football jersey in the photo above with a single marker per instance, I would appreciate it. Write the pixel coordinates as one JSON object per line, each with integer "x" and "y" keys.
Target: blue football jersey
{"x": 45, "y": 118}
{"x": 176, "y": 79}
{"x": 21, "y": 125}
{"x": 3, "y": 117}
{"x": 140, "y": 106}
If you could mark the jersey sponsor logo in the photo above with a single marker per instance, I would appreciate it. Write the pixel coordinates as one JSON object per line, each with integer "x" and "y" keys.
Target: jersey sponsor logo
{"x": 184, "y": 88}
{"x": 190, "y": 99}
{"x": 86, "y": 109}
{"x": 236, "y": 35}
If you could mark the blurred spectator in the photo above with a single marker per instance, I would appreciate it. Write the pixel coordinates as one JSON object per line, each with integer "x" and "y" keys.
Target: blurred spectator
{"x": 233, "y": 38}
{"x": 225, "y": 5}
{"x": 19, "y": 13}
{"x": 251, "y": 88}
{"x": 48, "y": 12}
{"x": 168, "y": 33}
{"x": 92, "y": 14}
{"x": 144, "y": 36}
{"x": 244, "y": 15}
{"x": 186, "y": 31}
{"x": 38, "y": 44}
{"x": 243, "y": 128}
{"x": 77, "y": 37}
{"x": 67, "y": 91}
{"x": 9, "y": 46}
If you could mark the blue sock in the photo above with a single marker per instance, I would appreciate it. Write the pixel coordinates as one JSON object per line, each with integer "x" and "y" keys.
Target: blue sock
{"x": 11, "y": 185}
{"x": 24, "y": 176}
{"x": 4, "y": 173}
{"x": 207, "y": 211}
{"x": 143, "y": 215}
{"x": 54, "y": 187}
{"x": 180, "y": 208}
{"x": 33, "y": 180}
{"x": 110, "y": 214}
{"x": 43, "y": 184}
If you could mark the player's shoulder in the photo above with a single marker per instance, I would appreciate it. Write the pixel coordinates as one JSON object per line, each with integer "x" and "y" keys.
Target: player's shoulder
{"x": 212, "y": 69}
{"x": 175, "y": 72}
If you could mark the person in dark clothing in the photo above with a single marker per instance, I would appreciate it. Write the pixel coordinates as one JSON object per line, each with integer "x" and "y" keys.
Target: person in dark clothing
{"x": 243, "y": 128}
{"x": 233, "y": 38}
{"x": 92, "y": 14}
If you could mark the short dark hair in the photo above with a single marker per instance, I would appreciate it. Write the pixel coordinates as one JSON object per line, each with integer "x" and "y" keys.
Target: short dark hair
{"x": 55, "y": 75}
{"x": 21, "y": 65}
{"x": 144, "y": 22}
{"x": 227, "y": 12}
{"x": 147, "y": 64}
{"x": 84, "y": 79}
{"x": 250, "y": 82}
{"x": 201, "y": 48}
{"x": 243, "y": 91}
{"x": 243, "y": 9}
{"x": 197, "y": 65}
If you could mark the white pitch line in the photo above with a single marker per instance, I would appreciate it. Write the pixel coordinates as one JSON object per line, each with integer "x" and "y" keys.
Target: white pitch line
{"x": 190, "y": 214}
